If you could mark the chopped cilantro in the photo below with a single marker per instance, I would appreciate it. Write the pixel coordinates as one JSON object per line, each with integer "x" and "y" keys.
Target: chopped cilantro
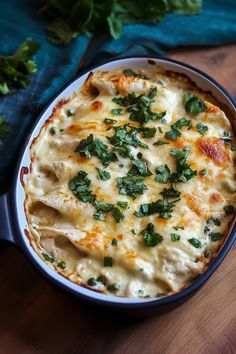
{"x": 174, "y": 133}
{"x": 94, "y": 147}
{"x": 148, "y": 132}
{"x": 215, "y": 236}
{"x": 228, "y": 209}
{"x": 103, "y": 175}
{"x": 130, "y": 72}
{"x": 92, "y": 282}
{"x": 123, "y": 205}
{"x": 131, "y": 185}
{"x": 52, "y": 131}
{"x": 203, "y": 172}
{"x": 62, "y": 265}
{"x": 215, "y": 221}
{"x": 175, "y": 237}
{"x": 102, "y": 279}
{"x": 160, "y": 130}
{"x": 202, "y": 128}
{"x": 161, "y": 142}
{"x": 151, "y": 239}
{"x": 170, "y": 192}
{"x": 139, "y": 168}
{"x": 183, "y": 170}
{"x": 103, "y": 207}
{"x": 178, "y": 227}
{"x": 48, "y": 258}
{"x": 206, "y": 230}
{"x": 69, "y": 113}
{"x": 128, "y": 100}
{"x": 79, "y": 185}
{"x": 116, "y": 111}
{"x": 113, "y": 288}
{"x": 133, "y": 231}
{"x": 162, "y": 206}
{"x": 108, "y": 262}
{"x": 126, "y": 135}
{"x": 163, "y": 174}
{"x": 195, "y": 242}
{"x": 114, "y": 242}
{"x": 194, "y": 105}
{"x": 109, "y": 120}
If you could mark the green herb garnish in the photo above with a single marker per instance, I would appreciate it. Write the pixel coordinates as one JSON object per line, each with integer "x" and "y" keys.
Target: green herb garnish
{"x": 109, "y": 120}
{"x": 161, "y": 142}
{"x": 174, "y": 133}
{"x": 48, "y": 258}
{"x": 148, "y": 132}
{"x": 162, "y": 206}
{"x": 79, "y": 185}
{"x": 175, "y": 237}
{"x": 139, "y": 168}
{"x": 62, "y": 265}
{"x": 108, "y": 262}
{"x": 94, "y": 147}
{"x": 114, "y": 242}
{"x": 113, "y": 288}
{"x": 195, "y": 242}
{"x": 131, "y": 185}
{"x": 103, "y": 175}
{"x": 130, "y": 72}
{"x": 216, "y": 236}
{"x": 151, "y": 239}
{"x": 123, "y": 205}
{"x": 116, "y": 111}
{"x": 202, "y": 128}
{"x": 163, "y": 174}
{"x": 194, "y": 105}
{"x": 92, "y": 282}
{"x": 170, "y": 192}
{"x": 203, "y": 172}
{"x": 15, "y": 69}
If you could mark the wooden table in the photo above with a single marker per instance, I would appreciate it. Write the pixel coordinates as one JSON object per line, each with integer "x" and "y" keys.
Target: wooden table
{"x": 36, "y": 317}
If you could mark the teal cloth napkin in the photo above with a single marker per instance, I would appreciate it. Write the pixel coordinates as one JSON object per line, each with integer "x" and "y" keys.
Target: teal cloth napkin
{"x": 57, "y": 65}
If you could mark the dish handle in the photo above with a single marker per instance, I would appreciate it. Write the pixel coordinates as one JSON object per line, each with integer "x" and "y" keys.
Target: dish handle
{"x": 5, "y": 221}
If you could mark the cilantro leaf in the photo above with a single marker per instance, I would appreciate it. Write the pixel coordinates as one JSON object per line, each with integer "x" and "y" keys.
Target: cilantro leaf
{"x": 195, "y": 242}
{"x": 148, "y": 132}
{"x": 183, "y": 170}
{"x": 103, "y": 175}
{"x": 94, "y": 147}
{"x": 126, "y": 135}
{"x": 139, "y": 168}
{"x": 109, "y": 120}
{"x": 79, "y": 185}
{"x": 103, "y": 208}
{"x": 161, "y": 206}
{"x": 163, "y": 174}
{"x": 202, "y": 128}
{"x": 174, "y": 133}
{"x": 116, "y": 111}
{"x": 216, "y": 236}
{"x": 151, "y": 239}
{"x": 108, "y": 262}
{"x": 122, "y": 204}
{"x": 161, "y": 142}
{"x": 4, "y": 129}
{"x": 130, "y": 72}
{"x": 128, "y": 100}
{"x": 170, "y": 192}
{"x": 194, "y": 105}
{"x": 131, "y": 185}
{"x": 175, "y": 237}
{"x": 15, "y": 69}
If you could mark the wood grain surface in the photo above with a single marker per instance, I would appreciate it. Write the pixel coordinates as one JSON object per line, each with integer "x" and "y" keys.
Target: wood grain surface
{"x": 36, "y": 317}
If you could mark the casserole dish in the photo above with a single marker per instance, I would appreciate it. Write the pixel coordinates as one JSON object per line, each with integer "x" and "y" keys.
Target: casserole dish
{"x": 13, "y": 221}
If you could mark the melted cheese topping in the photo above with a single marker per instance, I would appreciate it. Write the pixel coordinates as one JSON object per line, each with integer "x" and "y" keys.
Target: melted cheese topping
{"x": 63, "y": 229}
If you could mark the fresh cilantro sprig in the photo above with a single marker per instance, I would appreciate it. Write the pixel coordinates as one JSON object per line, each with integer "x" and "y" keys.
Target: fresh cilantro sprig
{"x": 175, "y": 133}
{"x": 80, "y": 185}
{"x": 162, "y": 206}
{"x": 150, "y": 237}
{"x": 194, "y": 105}
{"x": 94, "y": 147}
{"x": 15, "y": 69}
{"x": 69, "y": 19}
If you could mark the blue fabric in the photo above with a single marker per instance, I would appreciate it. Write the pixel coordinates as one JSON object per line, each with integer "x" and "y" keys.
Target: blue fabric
{"x": 215, "y": 25}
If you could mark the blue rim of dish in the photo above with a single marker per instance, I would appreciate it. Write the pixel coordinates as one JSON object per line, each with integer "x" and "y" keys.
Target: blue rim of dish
{"x": 156, "y": 302}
